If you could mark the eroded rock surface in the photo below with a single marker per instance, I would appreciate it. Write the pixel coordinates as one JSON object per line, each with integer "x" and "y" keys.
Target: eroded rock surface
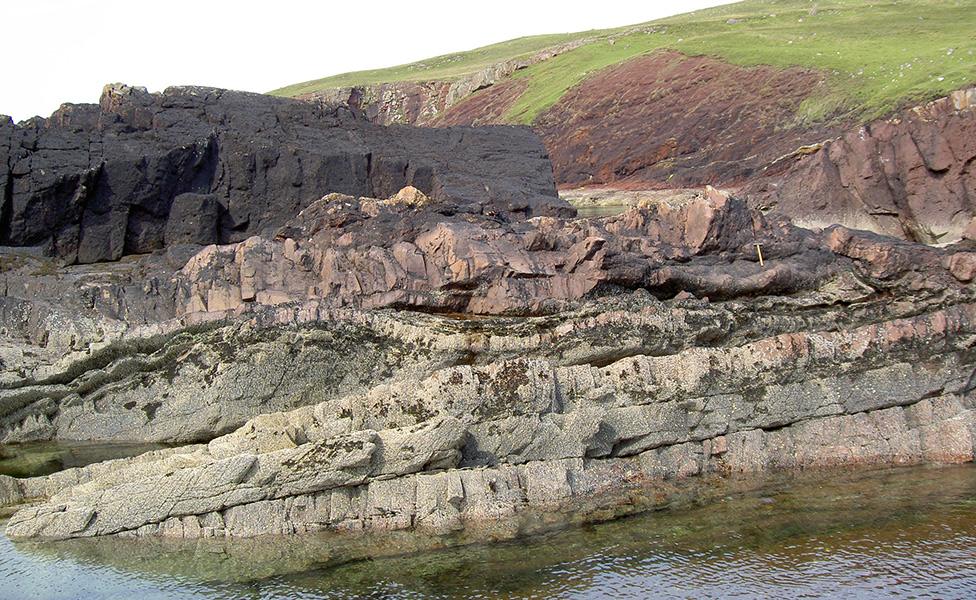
{"x": 910, "y": 176}
{"x": 618, "y": 380}
{"x": 141, "y": 171}
{"x": 425, "y": 362}
{"x": 425, "y": 102}
{"x": 181, "y": 347}
{"x": 665, "y": 119}
{"x": 668, "y": 120}
{"x": 472, "y": 444}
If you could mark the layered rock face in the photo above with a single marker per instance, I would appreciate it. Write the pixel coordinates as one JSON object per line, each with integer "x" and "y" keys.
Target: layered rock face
{"x": 910, "y": 176}
{"x": 141, "y": 171}
{"x": 662, "y": 120}
{"x": 841, "y": 348}
{"x": 369, "y": 254}
{"x": 445, "y": 361}
{"x": 472, "y": 445}
{"x": 129, "y": 351}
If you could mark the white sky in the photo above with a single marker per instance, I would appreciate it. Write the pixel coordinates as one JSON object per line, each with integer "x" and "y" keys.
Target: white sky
{"x": 65, "y": 50}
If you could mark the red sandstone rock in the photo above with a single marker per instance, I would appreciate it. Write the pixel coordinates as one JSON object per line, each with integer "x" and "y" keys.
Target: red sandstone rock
{"x": 909, "y": 176}
{"x": 962, "y": 265}
{"x": 369, "y": 253}
{"x": 970, "y": 232}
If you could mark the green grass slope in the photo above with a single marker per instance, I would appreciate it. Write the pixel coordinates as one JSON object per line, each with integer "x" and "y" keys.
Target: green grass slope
{"x": 439, "y": 68}
{"x": 877, "y": 55}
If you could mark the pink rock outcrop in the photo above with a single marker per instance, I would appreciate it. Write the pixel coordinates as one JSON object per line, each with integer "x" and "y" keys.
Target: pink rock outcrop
{"x": 909, "y": 176}
{"x": 367, "y": 253}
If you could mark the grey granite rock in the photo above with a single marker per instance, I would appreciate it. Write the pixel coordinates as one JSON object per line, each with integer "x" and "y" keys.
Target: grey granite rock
{"x": 471, "y": 445}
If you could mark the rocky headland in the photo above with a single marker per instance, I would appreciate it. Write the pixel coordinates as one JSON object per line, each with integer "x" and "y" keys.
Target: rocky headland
{"x": 139, "y": 172}
{"x": 428, "y": 348}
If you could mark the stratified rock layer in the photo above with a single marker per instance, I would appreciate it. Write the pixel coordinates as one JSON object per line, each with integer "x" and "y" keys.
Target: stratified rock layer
{"x": 842, "y": 348}
{"x": 182, "y": 347}
{"x": 426, "y": 363}
{"x": 470, "y": 445}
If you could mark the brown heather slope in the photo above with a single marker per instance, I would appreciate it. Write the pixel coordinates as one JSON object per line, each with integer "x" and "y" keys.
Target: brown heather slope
{"x": 666, "y": 120}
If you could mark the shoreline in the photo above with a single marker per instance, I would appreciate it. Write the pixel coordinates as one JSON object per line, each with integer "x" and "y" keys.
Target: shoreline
{"x": 258, "y": 558}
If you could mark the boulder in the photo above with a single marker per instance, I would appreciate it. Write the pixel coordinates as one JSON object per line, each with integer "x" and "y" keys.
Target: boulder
{"x": 962, "y": 265}
{"x": 410, "y": 196}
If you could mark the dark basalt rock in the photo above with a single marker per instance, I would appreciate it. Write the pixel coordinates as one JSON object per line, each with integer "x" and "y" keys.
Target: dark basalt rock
{"x": 96, "y": 182}
{"x": 193, "y": 219}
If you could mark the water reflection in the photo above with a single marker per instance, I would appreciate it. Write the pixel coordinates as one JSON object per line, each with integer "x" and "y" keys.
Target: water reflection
{"x": 43, "y": 458}
{"x": 898, "y": 533}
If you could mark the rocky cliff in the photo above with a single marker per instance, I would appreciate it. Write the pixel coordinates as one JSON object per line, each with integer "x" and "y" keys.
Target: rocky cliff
{"x": 139, "y": 171}
{"x": 455, "y": 360}
{"x": 668, "y": 120}
{"x": 653, "y": 347}
{"x": 665, "y": 119}
{"x": 910, "y": 176}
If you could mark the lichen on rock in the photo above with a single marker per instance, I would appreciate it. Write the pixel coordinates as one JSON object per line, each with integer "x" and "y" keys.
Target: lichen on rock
{"x": 455, "y": 361}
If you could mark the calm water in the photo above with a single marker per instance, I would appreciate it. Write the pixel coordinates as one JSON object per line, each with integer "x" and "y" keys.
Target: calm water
{"x": 596, "y": 210}
{"x": 43, "y": 458}
{"x": 889, "y": 534}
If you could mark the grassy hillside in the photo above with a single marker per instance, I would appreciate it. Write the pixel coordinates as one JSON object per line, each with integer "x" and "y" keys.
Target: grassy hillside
{"x": 439, "y": 68}
{"x": 877, "y": 55}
